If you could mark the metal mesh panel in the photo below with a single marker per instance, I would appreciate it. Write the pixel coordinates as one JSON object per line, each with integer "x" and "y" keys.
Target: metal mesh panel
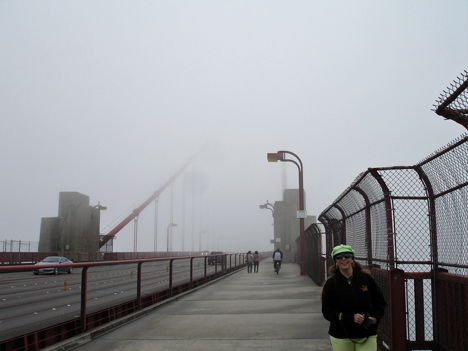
{"x": 403, "y": 182}
{"x": 411, "y": 223}
{"x": 379, "y": 234}
{"x": 314, "y": 253}
{"x": 356, "y": 234}
{"x": 352, "y": 202}
{"x": 412, "y": 234}
{"x": 448, "y": 173}
{"x": 452, "y": 231}
{"x": 330, "y": 211}
{"x": 372, "y": 188}
{"x": 334, "y": 213}
{"x": 447, "y": 170}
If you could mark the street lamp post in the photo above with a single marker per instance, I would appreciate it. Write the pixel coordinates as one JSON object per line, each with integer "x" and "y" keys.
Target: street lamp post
{"x": 270, "y": 207}
{"x": 156, "y": 224}
{"x": 170, "y": 225}
{"x": 280, "y": 156}
{"x": 98, "y": 207}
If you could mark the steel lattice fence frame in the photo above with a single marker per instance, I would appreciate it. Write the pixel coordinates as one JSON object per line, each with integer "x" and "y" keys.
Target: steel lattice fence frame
{"x": 453, "y": 102}
{"x": 447, "y": 171}
{"x": 412, "y": 220}
{"x": 410, "y": 226}
{"x": 315, "y": 265}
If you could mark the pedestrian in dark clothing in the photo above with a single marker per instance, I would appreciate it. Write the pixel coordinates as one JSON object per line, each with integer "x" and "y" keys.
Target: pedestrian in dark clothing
{"x": 352, "y": 302}
{"x": 249, "y": 261}
{"x": 256, "y": 261}
{"x": 277, "y": 258}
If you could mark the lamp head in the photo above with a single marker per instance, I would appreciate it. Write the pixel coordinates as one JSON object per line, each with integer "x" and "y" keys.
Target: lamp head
{"x": 275, "y": 156}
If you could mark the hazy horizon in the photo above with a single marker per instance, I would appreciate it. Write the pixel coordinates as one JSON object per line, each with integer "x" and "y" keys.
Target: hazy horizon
{"x": 110, "y": 99}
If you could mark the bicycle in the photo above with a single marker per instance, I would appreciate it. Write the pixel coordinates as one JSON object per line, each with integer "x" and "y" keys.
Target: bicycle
{"x": 277, "y": 266}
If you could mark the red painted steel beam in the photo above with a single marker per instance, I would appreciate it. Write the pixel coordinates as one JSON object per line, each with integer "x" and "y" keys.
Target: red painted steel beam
{"x": 434, "y": 247}
{"x": 191, "y": 272}
{"x": 84, "y": 297}
{"x": 388, "y": 208}
{"x": 139, "y": 286}
{"x": 397, "y": 310}
{"x": 140, "y": 208}
{"x": 419, "y": 309}
{"x": 170, "y": 277}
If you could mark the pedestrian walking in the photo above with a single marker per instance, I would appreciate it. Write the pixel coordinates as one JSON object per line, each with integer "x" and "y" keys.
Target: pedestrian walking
{"x": 352, "y": 302}
{"x": 249, "y": 261}
{"x": 256, "y": 261}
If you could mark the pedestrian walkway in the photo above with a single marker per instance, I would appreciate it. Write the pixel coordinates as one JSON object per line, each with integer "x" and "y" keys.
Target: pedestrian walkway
{"x": 243, "y": 311}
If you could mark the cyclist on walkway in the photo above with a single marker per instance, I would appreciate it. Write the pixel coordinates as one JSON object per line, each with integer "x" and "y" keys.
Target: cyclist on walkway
{"x": 352, "y": 303}
{"x": 277, "y": 257}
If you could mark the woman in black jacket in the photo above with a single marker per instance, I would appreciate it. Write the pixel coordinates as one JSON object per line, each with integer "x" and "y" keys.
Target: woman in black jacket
{"x": 352, "y": 302}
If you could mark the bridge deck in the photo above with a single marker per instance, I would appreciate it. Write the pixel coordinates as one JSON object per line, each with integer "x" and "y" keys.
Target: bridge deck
{"x": 256, "y": 311}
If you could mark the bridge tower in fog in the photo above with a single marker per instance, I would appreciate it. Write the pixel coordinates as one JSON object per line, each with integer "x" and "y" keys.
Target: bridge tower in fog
{"x": 286, "y": 225}
{"x": 75, "y": 230}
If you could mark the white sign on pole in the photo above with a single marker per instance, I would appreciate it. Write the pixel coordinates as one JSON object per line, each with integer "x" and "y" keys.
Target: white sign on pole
{"x": 302, "y": 214}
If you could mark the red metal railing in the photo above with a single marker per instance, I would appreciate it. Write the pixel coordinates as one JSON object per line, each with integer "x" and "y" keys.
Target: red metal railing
{"x": 91, "y": 318}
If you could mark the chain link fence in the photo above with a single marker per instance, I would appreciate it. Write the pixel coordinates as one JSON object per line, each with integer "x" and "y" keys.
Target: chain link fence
{"x": 410, "y": 226}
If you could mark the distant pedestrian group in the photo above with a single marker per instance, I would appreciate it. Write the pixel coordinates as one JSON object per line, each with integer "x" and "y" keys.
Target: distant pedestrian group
{"x": 252, "y": 260}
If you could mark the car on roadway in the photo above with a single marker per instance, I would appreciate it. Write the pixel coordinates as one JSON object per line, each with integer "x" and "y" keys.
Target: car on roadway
{"x": 205, "y": 253}
{"x": 50, "y": 261}
{"x": 219, "y": 259}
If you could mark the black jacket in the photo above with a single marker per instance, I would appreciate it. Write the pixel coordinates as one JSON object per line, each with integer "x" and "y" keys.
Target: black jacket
{"x": 341, "y": 300}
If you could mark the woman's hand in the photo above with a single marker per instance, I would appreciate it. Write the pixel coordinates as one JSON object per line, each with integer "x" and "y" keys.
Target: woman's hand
{"x": 358, "y": 318}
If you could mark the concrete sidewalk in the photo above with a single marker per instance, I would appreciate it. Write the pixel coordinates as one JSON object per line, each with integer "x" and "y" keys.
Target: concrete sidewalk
{"x": 256, "y": 311}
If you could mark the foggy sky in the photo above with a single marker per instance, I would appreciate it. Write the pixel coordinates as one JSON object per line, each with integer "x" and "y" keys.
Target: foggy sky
{"x": 110, "y": 98}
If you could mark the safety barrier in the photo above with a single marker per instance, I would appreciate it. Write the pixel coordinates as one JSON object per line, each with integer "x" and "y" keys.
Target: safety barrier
{"x": 182, "y": 275}
{"x": 410, "y": 225}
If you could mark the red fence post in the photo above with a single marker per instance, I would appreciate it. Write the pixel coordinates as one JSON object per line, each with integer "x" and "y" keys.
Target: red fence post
{"x": 139, "y": 286}
{"x": 206, "y": 262}
{"x": 170, "y": 277}
{"x": 397, "y": 310}
{"x": 84, "y": 295}
{"x": 191, "y": 272}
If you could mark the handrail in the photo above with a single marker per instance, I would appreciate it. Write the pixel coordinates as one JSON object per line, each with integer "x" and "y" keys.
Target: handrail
{"x": 84, "y": 322}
